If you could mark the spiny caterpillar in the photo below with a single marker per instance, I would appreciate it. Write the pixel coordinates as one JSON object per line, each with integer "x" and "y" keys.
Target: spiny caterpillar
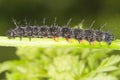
{"x": 55, "y": 31}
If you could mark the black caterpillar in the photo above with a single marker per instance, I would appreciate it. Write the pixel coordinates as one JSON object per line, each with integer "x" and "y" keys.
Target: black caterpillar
{"x": 55, "y": 31}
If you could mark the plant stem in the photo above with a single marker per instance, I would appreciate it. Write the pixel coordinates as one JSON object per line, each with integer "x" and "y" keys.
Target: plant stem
{"x": 47, "y": 42}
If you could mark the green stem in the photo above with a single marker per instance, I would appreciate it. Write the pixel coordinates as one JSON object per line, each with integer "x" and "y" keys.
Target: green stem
{"x": 46, "y": 42}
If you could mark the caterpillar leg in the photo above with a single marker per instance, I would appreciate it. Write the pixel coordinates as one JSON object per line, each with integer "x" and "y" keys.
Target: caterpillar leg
{"x": 92, "y": 43}
{"x": 56, "y": 38}
{"x": 68, "y": 40}
{"x": 29, "y": 38}
{"x": 20, "y": 38}
{"x": 80, "y": 41}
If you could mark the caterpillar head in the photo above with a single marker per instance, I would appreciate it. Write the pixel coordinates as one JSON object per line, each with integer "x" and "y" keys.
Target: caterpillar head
{"x": 11, "y": 34}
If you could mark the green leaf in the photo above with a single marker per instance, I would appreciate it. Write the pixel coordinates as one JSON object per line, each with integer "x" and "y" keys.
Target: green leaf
{"x": 102, "y": 76}
{"x": 110, "y": 61}
{"x": 107, "y": 64}
{"x": 109, "y": 68}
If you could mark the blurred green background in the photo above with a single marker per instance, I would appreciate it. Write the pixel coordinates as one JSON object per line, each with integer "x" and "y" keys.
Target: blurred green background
{"x": 102, "y": 11}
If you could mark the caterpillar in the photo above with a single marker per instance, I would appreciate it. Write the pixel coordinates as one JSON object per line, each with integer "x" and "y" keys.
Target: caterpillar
{"x": 55, "y": 31}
